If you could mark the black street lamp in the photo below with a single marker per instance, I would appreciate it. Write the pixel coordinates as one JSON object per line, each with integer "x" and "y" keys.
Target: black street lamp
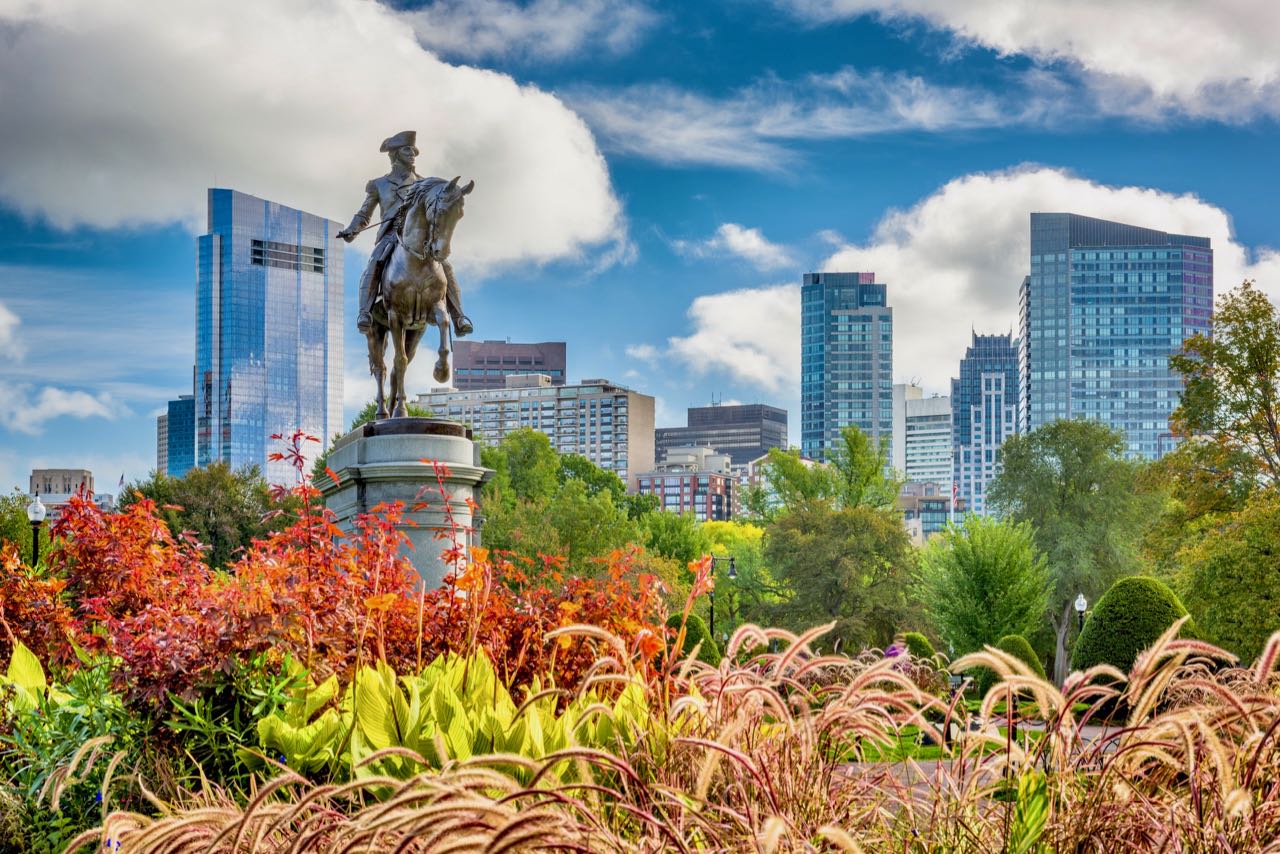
{"x": 1081, "y": 606}
{"x": 733, "y": 573}
{"x": 36, "y": 513}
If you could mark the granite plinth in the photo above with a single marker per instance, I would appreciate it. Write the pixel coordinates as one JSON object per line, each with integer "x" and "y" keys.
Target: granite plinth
{"x": 390, "y": 460}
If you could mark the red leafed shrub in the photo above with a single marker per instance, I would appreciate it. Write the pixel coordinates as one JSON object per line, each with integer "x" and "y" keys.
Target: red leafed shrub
{"x": 122, "y": 584}
{"x": 33, "y": 609}
{"x": 492, "y": 603}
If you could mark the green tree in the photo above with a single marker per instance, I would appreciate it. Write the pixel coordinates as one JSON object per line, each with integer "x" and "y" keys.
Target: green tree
{"x": 526, "y": 466}
{"x": 852, "y": 565}
{"x": 363, "y": 417}
{"x": 752, "y": 594}
{"x": 983, "y": 580}
{"x": 855, "y": 475}
{"x": 15, "y": 527}
{"x": 1232, "y": 578}
{"x": 570, "y": 524}
{"x": 594, "y": 478}
{"x": 1070, "y": 481}
{"x": 861, "y": 467}
{"x": 225, "y": 509}
{"x": 1230, "y": 393}
{"x": 678, "y": 536}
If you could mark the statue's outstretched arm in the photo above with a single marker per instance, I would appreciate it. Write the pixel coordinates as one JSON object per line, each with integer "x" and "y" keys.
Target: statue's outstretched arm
{"x": 362, "y": 217}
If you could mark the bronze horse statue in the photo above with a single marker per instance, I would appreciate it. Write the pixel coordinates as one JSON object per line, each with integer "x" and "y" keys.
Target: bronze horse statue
{"x": 412, "y": 290}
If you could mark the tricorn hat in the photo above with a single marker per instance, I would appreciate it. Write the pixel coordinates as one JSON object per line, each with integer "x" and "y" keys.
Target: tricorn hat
{"x": 403, "y": 138}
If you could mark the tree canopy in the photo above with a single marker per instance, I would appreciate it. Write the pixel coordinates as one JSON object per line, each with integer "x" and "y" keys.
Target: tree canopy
{"x": 853, "y": 565}
{"x": 982, "y": 580}
{"x": 1230, "y": 394}
{"x": 225, "y": 509}
{"x": 1069, "y": 479}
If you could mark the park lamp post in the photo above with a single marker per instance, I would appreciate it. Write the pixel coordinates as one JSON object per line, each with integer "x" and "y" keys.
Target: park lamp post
{"x": 36, "y": 513}
{"x": 733, "y": 573}
{"x": 1081, "y": 605}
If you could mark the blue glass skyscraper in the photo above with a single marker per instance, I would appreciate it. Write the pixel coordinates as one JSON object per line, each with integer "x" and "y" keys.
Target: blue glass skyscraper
{"x": 1103, "y": 308}
{"x": 846, "y": 359}
{"x": 180, "y": 444}
{"x": 984, "y": 412}
{"x": 268, "y": 330}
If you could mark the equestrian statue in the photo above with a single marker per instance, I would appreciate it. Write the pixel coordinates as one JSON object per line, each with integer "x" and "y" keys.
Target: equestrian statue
{"x": 408, "y": 282}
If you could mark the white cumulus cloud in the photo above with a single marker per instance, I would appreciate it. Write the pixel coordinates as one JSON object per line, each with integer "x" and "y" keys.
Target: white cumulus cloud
{"x": 122, "y": 112}
{"x": 750, "y": 334}
{"x": 954, "y": 260}
{"x": 25, "y": 408}
{"x": 953, "y": 263}
{"x": 747, "y": 243}
{"x": 547, "y": 30}
{"x": 10, "y": 346}
{"x": 1205, "y": 59}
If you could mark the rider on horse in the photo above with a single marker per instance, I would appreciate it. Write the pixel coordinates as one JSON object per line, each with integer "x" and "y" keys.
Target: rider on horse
{"x": 390, "y": 192}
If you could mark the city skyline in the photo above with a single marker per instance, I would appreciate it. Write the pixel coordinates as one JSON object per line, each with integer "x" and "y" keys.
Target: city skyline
{"x": 689, "y": 166}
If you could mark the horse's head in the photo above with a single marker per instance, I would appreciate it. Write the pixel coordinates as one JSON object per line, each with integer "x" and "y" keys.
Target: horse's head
{"x": 443, "y": 205}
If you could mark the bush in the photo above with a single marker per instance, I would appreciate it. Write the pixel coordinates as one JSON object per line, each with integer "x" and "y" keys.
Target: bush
{"x": 918, "y": 645}
{"x": 1127, "y": 619}
{"x": 1019, "y": 648}
{"x": 695, "y": 632}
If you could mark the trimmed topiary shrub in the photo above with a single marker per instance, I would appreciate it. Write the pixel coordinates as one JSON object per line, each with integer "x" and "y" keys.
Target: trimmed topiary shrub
{"x": 695, "y": 632}
{"x": 1019, "y": 648}
{"x": 918, "y": 645}
{"x": 1127, "y": 620}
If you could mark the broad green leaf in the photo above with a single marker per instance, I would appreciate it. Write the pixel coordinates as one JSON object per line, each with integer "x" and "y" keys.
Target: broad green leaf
{"x": 25, "y": 670}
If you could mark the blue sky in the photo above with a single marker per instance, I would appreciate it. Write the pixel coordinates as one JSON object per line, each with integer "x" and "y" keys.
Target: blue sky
{"x": 652, "y": 177}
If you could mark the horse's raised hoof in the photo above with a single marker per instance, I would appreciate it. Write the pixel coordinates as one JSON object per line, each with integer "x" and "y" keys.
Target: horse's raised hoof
{"x": 441, "y": 373}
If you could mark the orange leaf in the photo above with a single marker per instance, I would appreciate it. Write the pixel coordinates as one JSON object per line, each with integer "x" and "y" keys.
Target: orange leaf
{"x": 380, "y": 603}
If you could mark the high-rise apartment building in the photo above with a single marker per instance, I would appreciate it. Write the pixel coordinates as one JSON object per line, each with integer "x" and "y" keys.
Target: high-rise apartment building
{"x": 744, "y": 432}
{"x": 984, "y": 404}
{"x": 180, "y": 454}
{"x": 487, "y": 364}
{"x": 162, "y": 443}
{"x": 693, "y": 480}
{"x": 846, "y": 359}
{"x": 609, "y": 424}
{"x": 921, "y": 444}
{"x": 1103, "y": 308}
{"x": 268, "y": 331}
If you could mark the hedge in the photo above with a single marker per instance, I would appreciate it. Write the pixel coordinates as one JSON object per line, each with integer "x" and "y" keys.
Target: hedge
{"x": 1019, "y": 648}
{"x": 1127, "y": 619}
{"x": 918, "y": 645}
{"x": 695, "y": 632}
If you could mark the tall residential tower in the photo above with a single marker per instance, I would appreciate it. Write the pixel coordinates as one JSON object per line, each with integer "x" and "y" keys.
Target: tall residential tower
{"x": 268, "y": 331}
{"x": 846, "y": 359}
{"x": 984, "y": 412}
{"x": 1103, "y": 308}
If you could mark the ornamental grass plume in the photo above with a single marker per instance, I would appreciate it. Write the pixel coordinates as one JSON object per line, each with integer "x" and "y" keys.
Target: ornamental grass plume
{"x": 755, "y": 756}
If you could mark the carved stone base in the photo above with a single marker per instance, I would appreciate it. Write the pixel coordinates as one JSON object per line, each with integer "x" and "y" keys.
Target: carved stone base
{"x": 383, "y": 462}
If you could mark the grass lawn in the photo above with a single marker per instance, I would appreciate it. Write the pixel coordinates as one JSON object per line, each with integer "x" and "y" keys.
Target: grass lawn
{"x": 909, "y": 746}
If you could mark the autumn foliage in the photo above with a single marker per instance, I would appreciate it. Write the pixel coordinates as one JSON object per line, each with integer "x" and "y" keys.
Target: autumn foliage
{"x": 124, "y": 585}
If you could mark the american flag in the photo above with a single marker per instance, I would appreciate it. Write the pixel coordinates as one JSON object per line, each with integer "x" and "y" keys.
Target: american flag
{"x": 955, "y": 490}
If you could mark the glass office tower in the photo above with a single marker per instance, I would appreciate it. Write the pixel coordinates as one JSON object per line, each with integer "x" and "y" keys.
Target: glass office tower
{"x": 268, "y": 331}
{"x": 984, "y": 412}
{"x": 180, "y": 450}
{"x": 1103, "y": 308}
{"x": 846, "y": 359}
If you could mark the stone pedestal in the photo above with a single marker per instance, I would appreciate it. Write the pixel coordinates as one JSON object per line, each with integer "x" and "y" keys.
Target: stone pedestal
{"x": 382, "y": 462}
